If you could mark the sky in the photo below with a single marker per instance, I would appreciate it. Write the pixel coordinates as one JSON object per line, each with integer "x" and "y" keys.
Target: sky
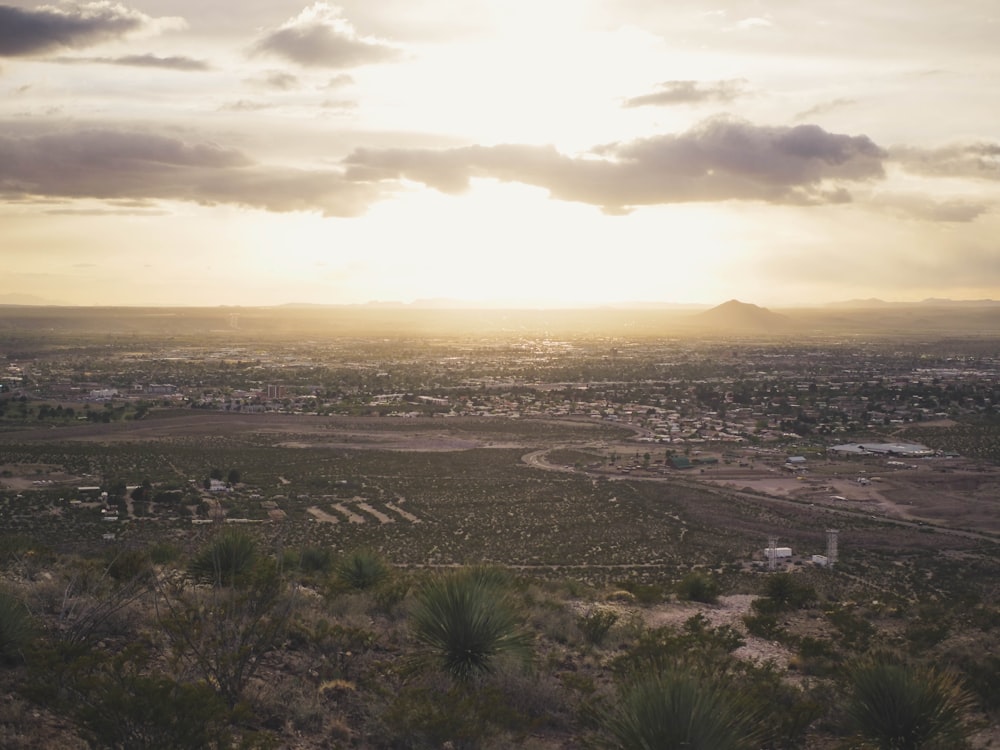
{"x": 538, "y": 153}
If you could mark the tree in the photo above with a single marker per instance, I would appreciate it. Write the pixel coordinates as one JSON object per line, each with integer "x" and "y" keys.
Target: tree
{"x": 234, "y": 476}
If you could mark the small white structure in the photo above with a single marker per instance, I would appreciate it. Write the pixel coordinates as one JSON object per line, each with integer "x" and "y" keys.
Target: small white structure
{"x": 778, "y": 553}
{"x": 820, "y": 560}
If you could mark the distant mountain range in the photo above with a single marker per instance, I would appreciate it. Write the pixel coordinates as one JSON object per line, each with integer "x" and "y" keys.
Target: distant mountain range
{"x": 731, "y": 319}
{"x": 731, "y": 312}
{"x": 874, "y": 302}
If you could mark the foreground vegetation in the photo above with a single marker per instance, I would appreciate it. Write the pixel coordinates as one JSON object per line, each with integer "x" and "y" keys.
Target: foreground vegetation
{"x": 243, "y": 642}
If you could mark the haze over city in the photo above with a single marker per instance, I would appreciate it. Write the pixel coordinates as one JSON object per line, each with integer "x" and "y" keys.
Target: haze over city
{"x": 554, "y": 153}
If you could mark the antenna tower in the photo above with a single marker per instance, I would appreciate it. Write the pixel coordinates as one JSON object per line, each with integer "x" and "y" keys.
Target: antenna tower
{"x": 831, "y": 547}
{"x": 772, "y": 552}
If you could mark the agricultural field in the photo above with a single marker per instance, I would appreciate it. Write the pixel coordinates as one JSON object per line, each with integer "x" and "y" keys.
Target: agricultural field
{"x": 278, "y": 572}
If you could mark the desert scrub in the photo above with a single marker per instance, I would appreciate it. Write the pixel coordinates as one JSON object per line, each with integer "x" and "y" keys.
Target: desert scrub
{"x": 16, "y": 628}
{"x": 679, "y": 710}
{"x": 596, "y": 624}
{"x": 698, "y": 587}
{"x": 464, "y": 621}
{"x": 899, "y": 705}
{"x": 225, "y": 560}
{"x": 362, "y": 569}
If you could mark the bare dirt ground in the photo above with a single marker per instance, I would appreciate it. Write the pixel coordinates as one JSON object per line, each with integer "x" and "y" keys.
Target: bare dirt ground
{"x": 729, "y": 610}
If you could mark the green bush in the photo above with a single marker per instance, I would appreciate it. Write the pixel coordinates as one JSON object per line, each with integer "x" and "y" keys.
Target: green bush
{"x": 362, "y": 569}
{"x": 226, "y": 560}
{"x": 678, "y": 711}
{"x": 783, "y": 592}
{"x": 898, "y": 705}
{"x": 464, "y": 621}
{"x": 315, "y": 559}
{"x": 596, "y": 624}
{"x": 698, "y": 587}
{"x": 16, "y": 628}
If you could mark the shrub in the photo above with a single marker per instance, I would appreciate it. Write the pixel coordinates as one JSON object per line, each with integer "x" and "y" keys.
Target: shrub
{"x": 225, "y": 560}
{"x": 785, "y": 592}
{"x": 15, "y": 628}
{"x": 463, "y": 622}
{"x": 118, "y": 706}
{"x": 696, "y": 645}
{"x": 223, "y": 635}
{"x": 698, "y": 587}
{"x": 362, "y": 569}
{"x": 902, "y": 706}
{"x": 128, "y": 564}
{"x": 315, "y": 559}
{"x": 675, "y": 710}
{"x": 596, "y": 624}
{"x": 163, "y": 553}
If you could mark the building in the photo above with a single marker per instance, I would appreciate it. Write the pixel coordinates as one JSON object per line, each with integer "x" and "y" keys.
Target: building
{"x": 883, "y": 449}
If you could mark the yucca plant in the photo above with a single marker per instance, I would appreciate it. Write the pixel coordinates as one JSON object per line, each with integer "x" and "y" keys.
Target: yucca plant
{"x": 362, "y": 569}
{"x": 15, "y": 628}
{"x": 674, "y": 710}
{"x": 465, "y": 621}
{"x": 898, "y": 705}
{"x": 226, "y": 559}
{"x": 679, "y": 710}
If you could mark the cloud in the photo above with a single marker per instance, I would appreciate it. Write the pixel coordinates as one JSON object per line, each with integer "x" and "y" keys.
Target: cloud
{"x": 825, "y": 108}
{"x": 321, "y": 37}
{"x": 280, "y": 80}
{"x": 143, "y": 61}
{"x": 977, "y": 160}
{"x": 689, "y": 92}
{"x": 721, "y": 159}
{"x": 245, "y": 105}
{"x": 28, "y": 32}
{"x": 339, "y": 81}
{"x": 917, "y": 206}
{"x": 114, "y": 165}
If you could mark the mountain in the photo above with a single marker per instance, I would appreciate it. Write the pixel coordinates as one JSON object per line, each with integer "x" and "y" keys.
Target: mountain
{"x": 865, "y": 304}
{"x": 741, "y": 316}
{"x": 937, "y": 302}
{"x": 873, "y": 303}
{"x": 23, "y": 299}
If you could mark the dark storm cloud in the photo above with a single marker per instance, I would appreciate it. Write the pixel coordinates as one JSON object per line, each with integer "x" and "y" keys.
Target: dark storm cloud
{"x": 689, "y": 92}
{"x": 114, "y": 165}
{"x": 28, "y": 32}
{"x": 143, "y": 61}
{"x": 977, "y": 160}
{"x": 721, "y": 159}
{"x": 320, "y": 37}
